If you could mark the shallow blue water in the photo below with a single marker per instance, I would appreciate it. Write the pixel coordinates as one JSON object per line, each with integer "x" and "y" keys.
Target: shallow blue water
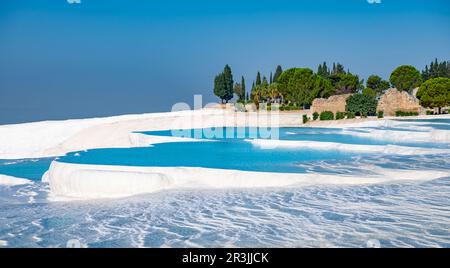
{"x": 407, "y": 214}
{"x": 441, "y": 124}
{"x": 435, "y": 120}
{"x": 228, "y": 148}
{"x": 335, "y": 135}
{"x": 238, "y": 155}
{"x": 31, "y": 169}
{"x": 311, "y": 134}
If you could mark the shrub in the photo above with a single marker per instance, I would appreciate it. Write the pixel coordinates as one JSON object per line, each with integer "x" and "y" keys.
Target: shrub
{"x": 305, "y": 119}
{"x": 286, "y": 107}
{"x": 351, "y": 115}
{"x": 362, "y": 104}
{"x": 364, "y": 115}
{"x": 315, "y": 116}
{"x": 402, "y": 113}
{"x": 430, "y": 112}
{"x": 340, "y": 115}
{"x": 325, "y": 116}
{"x": 380, "y": 114}
{"x": 289, "y": 107}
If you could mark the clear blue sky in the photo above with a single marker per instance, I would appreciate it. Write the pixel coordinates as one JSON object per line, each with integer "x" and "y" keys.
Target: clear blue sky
{"x": 108, "y": 57}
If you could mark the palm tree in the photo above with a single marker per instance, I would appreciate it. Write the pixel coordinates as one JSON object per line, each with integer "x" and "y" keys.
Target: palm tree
{"x": 273, "y": 92}
{"x": 256, "y": 93}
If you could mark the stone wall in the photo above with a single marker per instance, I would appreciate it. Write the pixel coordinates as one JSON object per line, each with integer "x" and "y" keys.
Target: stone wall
{"x": 394, "y": 100}
{"x": 333, "y": 104}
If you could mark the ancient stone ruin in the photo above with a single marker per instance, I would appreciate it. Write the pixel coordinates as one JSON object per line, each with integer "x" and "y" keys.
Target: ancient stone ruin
{"x": 333, "y": 104}
{"x": 394, "y": 100}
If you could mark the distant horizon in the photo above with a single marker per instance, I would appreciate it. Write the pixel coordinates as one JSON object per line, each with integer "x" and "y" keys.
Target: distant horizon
{"x": 97, "y": 58}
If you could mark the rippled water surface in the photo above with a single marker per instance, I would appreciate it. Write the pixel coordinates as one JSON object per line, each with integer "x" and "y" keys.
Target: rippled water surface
{"x": 407, "y": 214}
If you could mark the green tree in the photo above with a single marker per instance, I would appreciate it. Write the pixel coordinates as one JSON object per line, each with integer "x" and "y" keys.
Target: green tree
{"x": 377, "y": 84}
{"x": 258, "y": 79}
{"x": 243, "y": 87}
{"x": 362, "y": 105}
{"x": 322, "y": 88}
{"x": 436, "y": 69}
{"x": 346, "y": 83}
{"x": 284, "y": 81}
{"x": 338, "y": 68}
{"x": 369, "y": 92}
{"x": 264, "y": 82}
{"x": 224, "y": 85}
{"x": 219, "y": 86}
{"x": 435, "y": 93}
{"x": 257, "y": 95}
{"x": 277, "y": 74}
{"x": 229, "y": 82}
{"x": 296, "y": 85}
{"x": 238, "y": 90}
{"x": 251, "y": 91}
{"x": 323, "y": 70}
{"x": 273, "y": 93}
{"x": 406, "y": 78}
{"x": 320, "y": 69}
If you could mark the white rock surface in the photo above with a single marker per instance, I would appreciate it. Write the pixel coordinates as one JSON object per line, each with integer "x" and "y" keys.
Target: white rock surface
{"x": 75, "y": 181}
{"x": 12, "y": 181}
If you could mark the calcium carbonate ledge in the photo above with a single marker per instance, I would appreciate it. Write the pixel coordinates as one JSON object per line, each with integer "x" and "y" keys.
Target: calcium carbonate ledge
{"x": 77, "y": 181}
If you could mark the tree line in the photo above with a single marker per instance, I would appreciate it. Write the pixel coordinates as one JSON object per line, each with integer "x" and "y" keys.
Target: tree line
{"x": 298, "y": 87}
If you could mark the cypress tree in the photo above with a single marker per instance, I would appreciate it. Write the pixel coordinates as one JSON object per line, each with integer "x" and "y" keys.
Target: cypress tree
{"x": 277, "y": 74}
{"x": 258, "y": 79}
{"x": 219, "y": 86}
{"x": 229, "y": 83}
{"x": 253, "y": 89}
{"x": 426, "y": 73}
{"x": 224, "y": 85}
{"x": 271, "y": 78}
{"x": 340, "y": 68}
{"x": 243, "y": 86}
{"x": 264, "y": 81}
{"x": 436, "y": 69}
{"x": 325, "y": 69}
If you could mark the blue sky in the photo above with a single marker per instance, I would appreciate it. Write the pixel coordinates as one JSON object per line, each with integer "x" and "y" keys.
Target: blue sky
{"x": 108, "y": 57}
